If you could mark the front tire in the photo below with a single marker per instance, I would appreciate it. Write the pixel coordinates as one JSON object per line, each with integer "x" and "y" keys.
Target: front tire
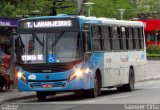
{"x": 92, "y": 93}
{"x": 41, "y": 96}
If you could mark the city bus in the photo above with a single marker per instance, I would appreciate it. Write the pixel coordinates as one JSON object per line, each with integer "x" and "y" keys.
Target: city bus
{"x": 68, "y": 53}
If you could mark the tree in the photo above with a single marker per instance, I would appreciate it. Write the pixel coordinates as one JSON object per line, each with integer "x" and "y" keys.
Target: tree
{"x": 11, "y": 8}
{"x": 67, "y": 7}
{"x": 102, "y": 8}
{"x": 148, "y": 8}
{"x": 109, "y": 8}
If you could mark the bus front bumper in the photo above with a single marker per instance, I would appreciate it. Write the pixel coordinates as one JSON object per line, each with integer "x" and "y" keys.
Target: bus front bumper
{"x": 57, "y": 86}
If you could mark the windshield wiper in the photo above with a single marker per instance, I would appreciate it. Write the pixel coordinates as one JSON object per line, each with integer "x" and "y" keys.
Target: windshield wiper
{"x": 35, "y": 36}
{"x": 57, "y": 38}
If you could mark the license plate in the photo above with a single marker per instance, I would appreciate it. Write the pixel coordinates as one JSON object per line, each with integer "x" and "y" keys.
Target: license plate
{"x": 47, "y": 86}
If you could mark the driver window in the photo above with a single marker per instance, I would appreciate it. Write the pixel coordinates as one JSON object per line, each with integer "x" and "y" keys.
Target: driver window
{"x": 87, "y": 42}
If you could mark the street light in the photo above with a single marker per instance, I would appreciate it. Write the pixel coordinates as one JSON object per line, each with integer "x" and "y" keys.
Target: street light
{"x": 121, "y": 12}
{"x": 36, "y": 11}
{"x": 89, "y": 5}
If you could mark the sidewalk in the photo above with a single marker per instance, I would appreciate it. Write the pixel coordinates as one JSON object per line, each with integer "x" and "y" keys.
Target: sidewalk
{"x": 152, "y": 73}
{"x": 15, "y": 94}
{"x": 152, "y": 70}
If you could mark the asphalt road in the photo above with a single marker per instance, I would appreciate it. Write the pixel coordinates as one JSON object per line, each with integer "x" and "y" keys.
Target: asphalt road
{"x": 145, "y": 93}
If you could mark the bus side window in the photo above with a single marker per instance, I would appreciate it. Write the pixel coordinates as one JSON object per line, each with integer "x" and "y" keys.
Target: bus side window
{"x": 107, "y": 38}
{"x": 133, "y": 39}
{"x": 120, "y": 37}
{"x": 130, "y": 39}
{"x": 87, "y": 41}
{"x": 127, "y": 38}
{"x": 136, "y": 38}
{"x": 96, "y": 38}
{"x": 123, "y": 32}
{"x": 141, "y": 38}
{"x": 115, "y": 39}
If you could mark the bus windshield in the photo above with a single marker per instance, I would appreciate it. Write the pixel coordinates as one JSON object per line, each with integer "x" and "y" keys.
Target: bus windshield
{"x": 57, "y": 47}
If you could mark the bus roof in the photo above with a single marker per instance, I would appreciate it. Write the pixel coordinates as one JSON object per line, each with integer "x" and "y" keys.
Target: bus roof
{"x": 94, "y": 20}
{"x": 112, "y": 21}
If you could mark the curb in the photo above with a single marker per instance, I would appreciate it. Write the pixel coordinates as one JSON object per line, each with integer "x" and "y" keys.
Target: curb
{"x": 153, "y": 58}
{"x": 151, "y": 78}
{"x": 17, "y": 98}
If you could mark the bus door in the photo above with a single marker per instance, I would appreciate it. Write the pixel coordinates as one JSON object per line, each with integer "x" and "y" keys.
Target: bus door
{"x": 87, "y": 47}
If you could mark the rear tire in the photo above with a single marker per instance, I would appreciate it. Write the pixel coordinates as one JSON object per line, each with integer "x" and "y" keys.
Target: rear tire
{"x": 130, "y": 86}
{"x": 120, "y": 89}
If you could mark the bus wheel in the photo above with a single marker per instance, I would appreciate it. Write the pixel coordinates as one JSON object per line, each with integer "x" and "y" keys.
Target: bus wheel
{"x": 94, "y": 92}
{"x": 130, "y": 85}
{"x": 41, "y": 96}
{"x": 120, "y": 89}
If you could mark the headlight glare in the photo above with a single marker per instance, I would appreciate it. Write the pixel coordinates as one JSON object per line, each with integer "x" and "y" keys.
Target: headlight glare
{"x": 22, "y": 76}
{"x": 76, "y": 74}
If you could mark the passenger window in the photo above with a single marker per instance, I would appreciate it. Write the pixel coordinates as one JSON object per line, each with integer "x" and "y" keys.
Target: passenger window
{"x": 97, "y": 42}
{"x": 115, "y": 39}
{"x": 141, "y": 39}
{"x": 136, "y": 38}
{"x": 124, "y": 42}
{"x": 107, "y": 37}
{"x": 130, "y": 39}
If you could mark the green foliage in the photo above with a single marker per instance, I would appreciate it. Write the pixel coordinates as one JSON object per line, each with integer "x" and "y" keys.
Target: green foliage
{"x": 9, "y": 8}
{"x": 102, "y": 8}
{"x": 153, "y": 55}
{"x": 150, "y": 8}
{"x": 67, "y": 7}
{"x": 153, "y": 49}
{"x": 12, "y": 8}
{"x": 109, "y": 8}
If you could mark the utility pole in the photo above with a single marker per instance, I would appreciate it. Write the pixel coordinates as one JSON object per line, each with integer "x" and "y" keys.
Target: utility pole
{"x": 80, "y": 6}
{"x": 12, "y": 64}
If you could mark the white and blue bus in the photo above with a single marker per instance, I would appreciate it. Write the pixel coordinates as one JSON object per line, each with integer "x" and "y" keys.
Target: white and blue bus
{"x": 75, "y": 53}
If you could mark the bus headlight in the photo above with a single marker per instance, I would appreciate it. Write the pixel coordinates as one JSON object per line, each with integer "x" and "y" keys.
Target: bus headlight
{"x": 76, "y": 74}
{"x": 21, "y": 76}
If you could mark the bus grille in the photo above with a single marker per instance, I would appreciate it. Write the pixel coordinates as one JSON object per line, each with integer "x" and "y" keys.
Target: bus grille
{"x": 54, "y": 84}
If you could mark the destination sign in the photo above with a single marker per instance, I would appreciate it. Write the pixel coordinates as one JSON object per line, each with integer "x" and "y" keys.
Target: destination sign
{"x": 48, "y": 24}
{"x": 56, "y": 23}
{"x": 32, "y": 57}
